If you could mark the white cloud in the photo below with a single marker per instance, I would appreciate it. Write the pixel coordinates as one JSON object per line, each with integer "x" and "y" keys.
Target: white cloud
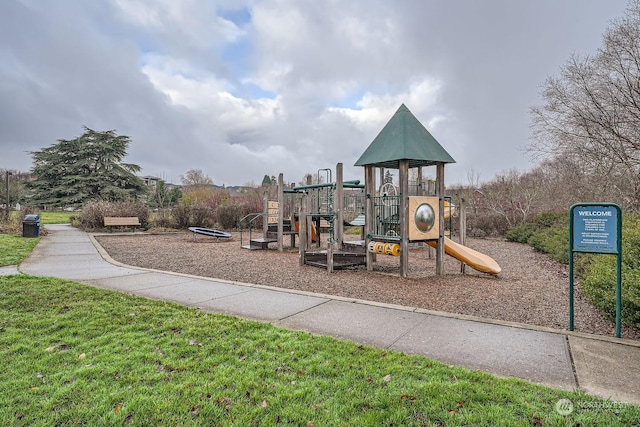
{"x": 376, "y": 109}
{"x": 243, "y": 88}
{"x": 184, "y": 26}
{"x": 205, "y": 94}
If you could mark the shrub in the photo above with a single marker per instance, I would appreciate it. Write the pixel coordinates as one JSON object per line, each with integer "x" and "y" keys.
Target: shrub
{"x": 187, "y": 214}
{"x": 181, "y": 215}
{"x": 201, "y": 216}
{"x": 521, "y": 233}
{"x": 163, "y": 219}
{"x": 11, "y": 221}
{"x": 228, "y": 216}
{"x": 486, "y": 225}
{"x": 477, "y": 232}
{"x": 93, "y": 213}
{"x": 547, "y": 232}
{"x": 599, "y": 279}
{"x": 540, "y": 224}
{"x": 553, "y": 241}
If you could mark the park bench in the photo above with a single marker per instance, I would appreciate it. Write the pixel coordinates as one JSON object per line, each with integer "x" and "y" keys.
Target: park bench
{"x": 121, "y": 221}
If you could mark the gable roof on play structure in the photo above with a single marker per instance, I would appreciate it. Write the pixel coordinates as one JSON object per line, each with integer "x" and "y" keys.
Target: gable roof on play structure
{"x": 404, "y": 138}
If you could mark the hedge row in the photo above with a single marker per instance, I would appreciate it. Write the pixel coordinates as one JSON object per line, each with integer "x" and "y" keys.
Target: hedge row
{"x": 225, "y": 216}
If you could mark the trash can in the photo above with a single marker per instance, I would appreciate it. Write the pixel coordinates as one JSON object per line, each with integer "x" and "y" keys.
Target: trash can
{"x": 31, "y": 226}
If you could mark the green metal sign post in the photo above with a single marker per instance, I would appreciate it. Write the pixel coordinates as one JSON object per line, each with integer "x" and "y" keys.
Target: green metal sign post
{"x": 596, "y": 228}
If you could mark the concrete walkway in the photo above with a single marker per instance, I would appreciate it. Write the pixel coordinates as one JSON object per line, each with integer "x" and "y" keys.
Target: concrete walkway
{"x": 606, "y": 367}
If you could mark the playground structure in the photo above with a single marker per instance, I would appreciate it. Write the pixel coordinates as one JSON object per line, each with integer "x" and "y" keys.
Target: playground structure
{"x": 329, "y": 206}
{"x": 404, "y": 144}
{"x": 392, "y": 218}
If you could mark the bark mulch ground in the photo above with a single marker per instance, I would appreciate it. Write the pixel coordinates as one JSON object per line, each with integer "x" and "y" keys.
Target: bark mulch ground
{"x": 531, "y": 288}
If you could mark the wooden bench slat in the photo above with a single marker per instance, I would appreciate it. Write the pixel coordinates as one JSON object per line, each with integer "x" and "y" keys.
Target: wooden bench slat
{"x": 121, "y": 221}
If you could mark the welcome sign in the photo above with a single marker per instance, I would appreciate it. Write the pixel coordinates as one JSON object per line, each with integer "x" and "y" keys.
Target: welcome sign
{"x": 595, "y": 229}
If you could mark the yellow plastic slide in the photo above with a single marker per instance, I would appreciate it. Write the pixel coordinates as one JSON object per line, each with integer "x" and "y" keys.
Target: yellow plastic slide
{"x": 474, "y": 259}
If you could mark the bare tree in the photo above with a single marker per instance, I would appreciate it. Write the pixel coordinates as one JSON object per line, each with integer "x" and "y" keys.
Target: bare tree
{"x": 195, "y": 177}
{"x": 512, "y": 196}
{"x": 198, "y": 188}
{"x": 591, "y": 112}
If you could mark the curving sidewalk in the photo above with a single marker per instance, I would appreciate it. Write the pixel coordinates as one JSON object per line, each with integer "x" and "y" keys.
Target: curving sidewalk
{"x": 605, "y": 367}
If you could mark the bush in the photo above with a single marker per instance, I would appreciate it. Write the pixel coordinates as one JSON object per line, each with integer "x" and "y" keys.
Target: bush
{"x": 163, "y": 219}
{"x": 486, "y": 225}
{"x": 11, "y": 221}
{"x": 201, "y": 216}
{"x": 93, "y": 213}
{"x": 547, "y": 232}
{"x": 542, "y": 223}
{"x": 186, "y": 215}
{"x": 181, "y": 215}
{"x": 228, "y": 216}
{"x": 599, "y": 279}
{"x": 521, "y": 233}
{"x": 553, "y": 241}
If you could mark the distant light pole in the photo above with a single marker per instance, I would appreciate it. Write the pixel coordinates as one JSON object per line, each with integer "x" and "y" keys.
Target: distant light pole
{"x": 6, "y": 181}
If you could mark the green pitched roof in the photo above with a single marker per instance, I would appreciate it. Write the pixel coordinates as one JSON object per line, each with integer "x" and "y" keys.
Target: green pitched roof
{"x": 404, "y": 138}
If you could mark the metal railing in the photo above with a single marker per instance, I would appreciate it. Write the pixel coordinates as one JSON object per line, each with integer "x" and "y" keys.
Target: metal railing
{"x": 386, "y": 211}
{"x": 249, "y": 219}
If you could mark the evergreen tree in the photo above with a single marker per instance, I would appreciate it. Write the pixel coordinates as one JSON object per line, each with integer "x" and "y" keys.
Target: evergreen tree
{"x": 266, "y": 180}
{"x": 89, "y": 167}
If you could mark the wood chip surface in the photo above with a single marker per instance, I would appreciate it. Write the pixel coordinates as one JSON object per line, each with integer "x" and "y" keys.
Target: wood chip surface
{"x": 531, "y": 288}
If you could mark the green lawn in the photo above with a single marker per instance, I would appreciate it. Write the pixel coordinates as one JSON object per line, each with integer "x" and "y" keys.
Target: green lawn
{"x": 15, "y": 248}
{"x": 75, "y": 355}
{"x": 49, "y": 217}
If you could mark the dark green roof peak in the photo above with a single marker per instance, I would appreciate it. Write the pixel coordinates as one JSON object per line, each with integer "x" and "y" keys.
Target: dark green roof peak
{"x": 404, "y": 138}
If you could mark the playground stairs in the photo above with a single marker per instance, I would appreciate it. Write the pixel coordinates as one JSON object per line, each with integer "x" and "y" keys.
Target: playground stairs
{"x": 272, "y": 236}
{"x": 287, "y": 229}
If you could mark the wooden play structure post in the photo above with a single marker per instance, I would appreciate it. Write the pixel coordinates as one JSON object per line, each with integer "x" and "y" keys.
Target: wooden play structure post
{"x": 338, "y": 207}
{"x": 440, "y": 194}
{"x": 280, "y": 210}
{"x": 431, "y": 189}
{"x": 302, "y": 221}
{"x": 462, "y": 213}
{"x": 265, "y": 217}
{"x": 403, "y": 167}
{"x": 369, "y": 190}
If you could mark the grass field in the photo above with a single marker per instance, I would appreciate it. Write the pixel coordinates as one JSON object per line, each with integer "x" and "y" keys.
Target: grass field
{"x": 49, "y": 217}
{"x": 15, "y": 248}
{"x": 75, "y": 355}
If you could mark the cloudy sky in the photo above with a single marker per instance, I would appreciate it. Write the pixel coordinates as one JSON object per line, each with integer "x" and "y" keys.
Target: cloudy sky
{"x": 244, "y": 88}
